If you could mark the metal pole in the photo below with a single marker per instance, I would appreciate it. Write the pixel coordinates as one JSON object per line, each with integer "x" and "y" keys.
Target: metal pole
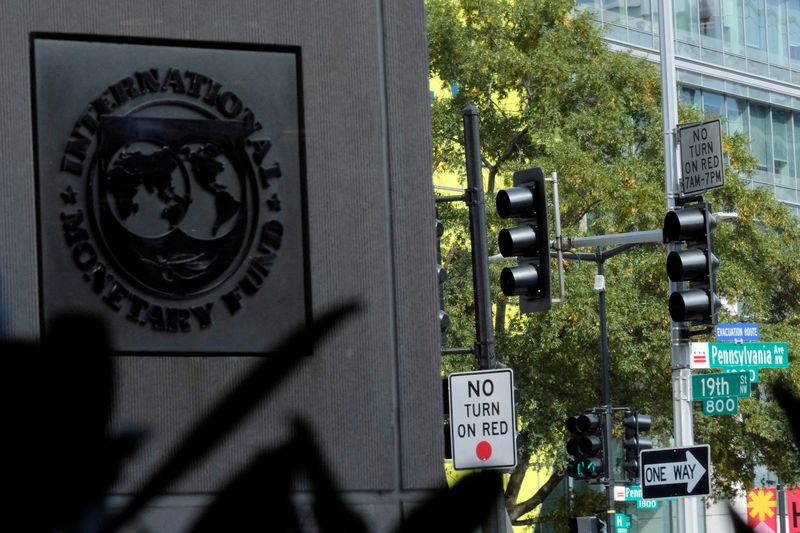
{"x": 497, "y": 520}
{"x": 601, "y": 270}
{"x": 680, "y": 347}
{"x": 559, "y": 248}
{"x": 484, "y": 345}
{"x": 608, "y": 469}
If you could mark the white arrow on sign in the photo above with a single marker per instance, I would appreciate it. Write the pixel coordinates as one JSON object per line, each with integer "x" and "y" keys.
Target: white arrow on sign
{"x": 689, "y": 471}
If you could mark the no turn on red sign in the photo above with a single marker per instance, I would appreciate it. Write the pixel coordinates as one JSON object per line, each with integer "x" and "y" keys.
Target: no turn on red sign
{"x": 482, "y": 419}
{"x": 702, "y": 164}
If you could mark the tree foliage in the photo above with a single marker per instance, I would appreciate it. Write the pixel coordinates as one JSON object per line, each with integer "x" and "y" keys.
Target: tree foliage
{"x": 551, "y": 94}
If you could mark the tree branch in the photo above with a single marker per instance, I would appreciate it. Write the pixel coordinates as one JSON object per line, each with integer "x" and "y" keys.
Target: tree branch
{"x": 511, "y": 148}
{"x": 517, "y": 510}
{"x": 515, "y": 481}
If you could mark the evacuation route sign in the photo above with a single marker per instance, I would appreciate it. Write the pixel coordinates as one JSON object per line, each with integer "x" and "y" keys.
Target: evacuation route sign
{"x": 739, "y": 355}
{"x": 482, "y": 419}
{"x": 701, "y": 157}
{"x": 676, "y": 472}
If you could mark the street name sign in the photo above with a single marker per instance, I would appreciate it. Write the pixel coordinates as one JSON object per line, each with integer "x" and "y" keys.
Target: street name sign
{"x": 676, "y": 472}
{"x": 701, "y": 157}
{"x": 622, "y": 521}
{"x": 721, "y": 406}
{"x": 739, "y": 355}
{"x": 752, "y": 372}
{"x": 737, "y": 332}
{"x": 633, "y": 493}
{"x": 482, "y": 419}
{"x": 712, "y": 386}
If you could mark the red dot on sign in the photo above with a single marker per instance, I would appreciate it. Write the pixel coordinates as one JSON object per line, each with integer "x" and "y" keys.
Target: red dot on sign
{"x": 483, "y": 450}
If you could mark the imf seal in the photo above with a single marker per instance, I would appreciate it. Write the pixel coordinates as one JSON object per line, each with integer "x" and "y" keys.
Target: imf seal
{"x": 176, "y": 212}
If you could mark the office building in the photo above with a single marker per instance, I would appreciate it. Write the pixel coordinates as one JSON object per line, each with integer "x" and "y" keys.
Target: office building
{"x": 737, "y": 59}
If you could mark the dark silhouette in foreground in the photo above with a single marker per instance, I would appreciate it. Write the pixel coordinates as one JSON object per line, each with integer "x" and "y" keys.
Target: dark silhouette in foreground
{"x": 63, "y": 459}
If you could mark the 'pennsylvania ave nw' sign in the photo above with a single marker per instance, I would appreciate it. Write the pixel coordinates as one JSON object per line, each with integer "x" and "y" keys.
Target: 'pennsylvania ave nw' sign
{"x": 741, "y": 356}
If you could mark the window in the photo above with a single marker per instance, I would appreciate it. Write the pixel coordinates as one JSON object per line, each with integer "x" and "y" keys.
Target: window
{"x": 614, "y": 11}
{"x": 687, "y": 23}
{"x": 760, "y": 135}
{"x": 797, "y": 146}
{"x": 713, "y": 105}
{"x": 736, "y": 112}
{"x": 781, "y": 141}
{"x": 690, "y": 96}
{"x": 755, "y": 28}
{"x": 710, "y": 23}
{"x": 776, "y": 32}
{"x": 794, "y": 32}
{"x": 733, "y": 26}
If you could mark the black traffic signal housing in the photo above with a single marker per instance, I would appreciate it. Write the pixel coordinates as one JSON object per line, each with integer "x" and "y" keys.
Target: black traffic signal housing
{"x": 441, "y": 275}
{"x": 586, "y": 446}
{"x": 697, "y": 264}
{"x": 586, "y": 524}
{"x": 526, "y": 202}
{"x": 634, "y": 442}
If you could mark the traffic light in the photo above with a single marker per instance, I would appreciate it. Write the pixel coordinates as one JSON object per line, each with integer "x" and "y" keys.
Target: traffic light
{"x": 586, "y": 524}
{"x": 696, "y": 264}
{"x": 528, "y": 241}
{"x": 633, "y": 443}
{"x": 585, "y": 446}
{"x": 441, "y": 275}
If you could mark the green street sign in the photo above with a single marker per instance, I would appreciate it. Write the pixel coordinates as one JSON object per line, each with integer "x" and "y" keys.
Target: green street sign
{"x": 622, "y": 520}
{"x": 647, "y": 504}
{"x": 739, "y": 355}
{"x": 753, "y": 372}
{"x": 721, "y": 406}
{"x": 712, "y": 386}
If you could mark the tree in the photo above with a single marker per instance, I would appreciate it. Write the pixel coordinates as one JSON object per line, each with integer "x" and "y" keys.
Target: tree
{"x": 551, "y": 94}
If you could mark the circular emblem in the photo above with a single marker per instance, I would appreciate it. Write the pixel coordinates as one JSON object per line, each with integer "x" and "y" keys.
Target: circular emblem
{"x": 178, "y": 196}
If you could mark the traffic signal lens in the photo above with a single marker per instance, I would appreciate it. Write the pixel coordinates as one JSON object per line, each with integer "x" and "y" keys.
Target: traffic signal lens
{"x": 519, "y": 280}
{"x": 572, "y": 447}
{"x": 519, "y": 240}
{"x": 685, "y": 265}
{"x": 516, "y": 201}
{"x": 685, "y": 224}
{"x": 637, "y": 422}
{"x": 693, "y": 305}
{"x": 588, "y": 423}
{"x": 572, "y": 424}
{"x": 590, "y": 445}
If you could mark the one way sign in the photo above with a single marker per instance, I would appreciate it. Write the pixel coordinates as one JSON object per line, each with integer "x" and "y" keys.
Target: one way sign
{"x": 676, "y": 472}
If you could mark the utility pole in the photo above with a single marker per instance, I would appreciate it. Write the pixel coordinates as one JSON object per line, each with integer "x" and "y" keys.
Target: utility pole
{"x": 680, "y": 344}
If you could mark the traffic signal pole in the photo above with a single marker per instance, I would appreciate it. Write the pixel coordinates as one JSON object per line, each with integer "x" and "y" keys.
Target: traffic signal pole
{"x": 474, "y": 197}
{"x": 680, "y": 345}
{"x": 497, "y": 521}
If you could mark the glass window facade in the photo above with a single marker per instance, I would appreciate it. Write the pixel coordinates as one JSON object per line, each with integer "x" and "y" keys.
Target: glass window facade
{"x": 759, "y": 38}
